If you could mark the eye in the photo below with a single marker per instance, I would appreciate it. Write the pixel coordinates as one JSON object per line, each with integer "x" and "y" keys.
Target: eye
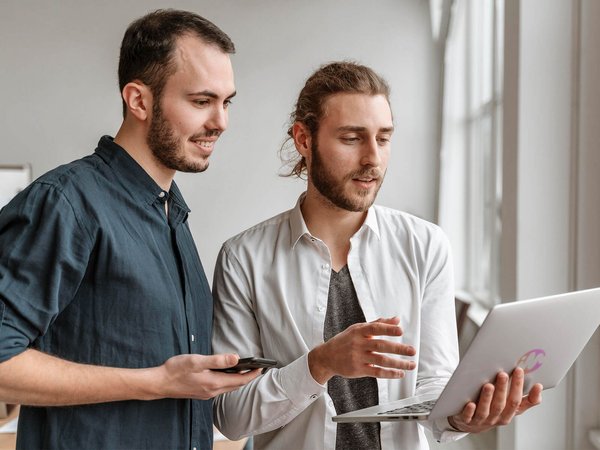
{"x": 350, "y": 139}
{"x": 383, "y": 140}
{"x": 227, "y": 103}
{"x": 202, "y": 102}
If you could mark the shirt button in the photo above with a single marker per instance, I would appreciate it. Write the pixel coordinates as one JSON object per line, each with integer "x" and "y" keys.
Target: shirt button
{"x": 193, "y": 338}
{"x": 320, "y": 308}
{"x": 162, "y": 194}
{"x": 313, "y": 396}
{"x": 325, "y": 266}
{"x": 331, "y": 403}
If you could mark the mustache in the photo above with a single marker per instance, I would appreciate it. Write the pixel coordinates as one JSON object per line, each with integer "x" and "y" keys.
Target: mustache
{"x": 208, "y": 134}
{"x": 372, "y": 172}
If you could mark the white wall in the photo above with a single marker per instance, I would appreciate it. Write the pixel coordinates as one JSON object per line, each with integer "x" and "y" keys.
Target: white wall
{"x": 59, "y": 93}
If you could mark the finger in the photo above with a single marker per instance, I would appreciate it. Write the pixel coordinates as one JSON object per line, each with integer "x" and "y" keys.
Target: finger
{"x": 242, "y": 378}
{"x": 535, "y": 394}
{"x": 499, "y": 399}
{"x": 395, "y": 320}
{"x": 467, "y": 413}
{"x": 379, "y": 329}
{"x": 482, "y": 411}
{"x": 534, "y": 398}
{"x": 383, "y": 346}
{"x": 515, "y": 395}
{"x": 390, "y": 362}
{"x": 381, "y": 372}
{"x": 221, "y": 361}
{"x": 226, "y": 382}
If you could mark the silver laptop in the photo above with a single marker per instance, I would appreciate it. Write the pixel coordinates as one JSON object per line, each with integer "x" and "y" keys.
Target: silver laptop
{"x": 544, "y": 336}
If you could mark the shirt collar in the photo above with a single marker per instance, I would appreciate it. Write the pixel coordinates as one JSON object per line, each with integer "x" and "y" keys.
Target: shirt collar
{"x": 178, "y": 197}
{"x": 371, "y": 222}
{"x": 134, "y": 178}
{"x": 297, "y": 223}
{"x": 299, "y": 228}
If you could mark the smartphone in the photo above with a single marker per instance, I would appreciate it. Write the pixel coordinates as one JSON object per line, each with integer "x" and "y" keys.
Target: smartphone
{"x": 245, "y": 364}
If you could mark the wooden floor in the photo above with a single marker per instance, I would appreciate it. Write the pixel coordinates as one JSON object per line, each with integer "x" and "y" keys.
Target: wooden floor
{"x": 8, "y": 440}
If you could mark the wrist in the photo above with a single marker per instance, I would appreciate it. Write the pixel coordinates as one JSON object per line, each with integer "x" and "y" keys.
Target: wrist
{"x": 317, "y": 366}
{"x": 148, "y": 383}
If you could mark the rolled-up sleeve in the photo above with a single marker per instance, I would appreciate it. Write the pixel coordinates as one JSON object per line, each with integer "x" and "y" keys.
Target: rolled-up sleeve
{"x": 44, "y": 250}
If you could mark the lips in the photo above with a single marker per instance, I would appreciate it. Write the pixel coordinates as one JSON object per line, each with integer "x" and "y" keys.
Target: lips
{"x": 366, "y": 179}
{"x": 204, "y": 145}
{"x": 365, "y": 183}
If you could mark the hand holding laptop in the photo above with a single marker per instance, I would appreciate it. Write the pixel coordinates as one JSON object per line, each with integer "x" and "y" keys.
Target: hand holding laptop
{"x": 498, "y": 403}
{"x": 542, "y": 355}
{"x": 359, "y": 352}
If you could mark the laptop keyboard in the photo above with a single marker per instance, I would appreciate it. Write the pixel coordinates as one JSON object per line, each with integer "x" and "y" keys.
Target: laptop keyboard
{"x": 417, "y": 408}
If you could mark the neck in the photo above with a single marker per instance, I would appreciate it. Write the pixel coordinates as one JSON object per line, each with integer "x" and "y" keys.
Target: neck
{"x": 333, "y": 225}
{"x": 133, "y": 140}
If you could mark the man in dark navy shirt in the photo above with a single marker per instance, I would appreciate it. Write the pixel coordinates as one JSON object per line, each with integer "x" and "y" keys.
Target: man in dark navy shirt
{"x": 105, "y": 310}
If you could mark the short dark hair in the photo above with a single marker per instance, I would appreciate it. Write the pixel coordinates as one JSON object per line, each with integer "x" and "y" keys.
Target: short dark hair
{"x": 148, "y": 46}
{"x": 329, "y": 79}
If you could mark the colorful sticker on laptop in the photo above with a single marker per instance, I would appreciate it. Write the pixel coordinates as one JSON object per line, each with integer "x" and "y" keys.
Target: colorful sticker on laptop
{"x": 532, "y": 360}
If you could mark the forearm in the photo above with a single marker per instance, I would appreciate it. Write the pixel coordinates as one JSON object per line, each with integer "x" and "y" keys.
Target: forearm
{"x": 38, "y": 379}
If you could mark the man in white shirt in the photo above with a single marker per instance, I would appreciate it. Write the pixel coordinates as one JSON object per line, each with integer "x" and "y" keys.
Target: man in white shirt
{"x": 355, "y": 301}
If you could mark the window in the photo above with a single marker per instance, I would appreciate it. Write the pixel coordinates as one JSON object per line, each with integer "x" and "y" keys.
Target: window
{"x": 470, "y": 160}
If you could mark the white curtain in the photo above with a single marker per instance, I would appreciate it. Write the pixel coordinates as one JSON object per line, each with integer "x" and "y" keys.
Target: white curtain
{"x": 452, "y": 195}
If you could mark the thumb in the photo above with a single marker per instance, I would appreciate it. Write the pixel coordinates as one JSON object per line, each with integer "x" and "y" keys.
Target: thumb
{"x": 221, "y": 361}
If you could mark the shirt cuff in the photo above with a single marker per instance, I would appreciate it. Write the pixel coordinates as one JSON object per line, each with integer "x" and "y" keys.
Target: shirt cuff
{"x": 299, "y": 385}
{"x": 16, "y": 334}
{"x": 443, "y": 432}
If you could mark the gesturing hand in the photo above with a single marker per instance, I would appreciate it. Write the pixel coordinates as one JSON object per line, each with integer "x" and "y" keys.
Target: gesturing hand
{"x": 189, "y": 376}
{"x": 358, "y": 352}
{"x": 498, "y": 403}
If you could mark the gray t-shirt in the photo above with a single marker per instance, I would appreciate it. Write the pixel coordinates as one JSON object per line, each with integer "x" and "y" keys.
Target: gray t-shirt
{"x": 348, "y": 394}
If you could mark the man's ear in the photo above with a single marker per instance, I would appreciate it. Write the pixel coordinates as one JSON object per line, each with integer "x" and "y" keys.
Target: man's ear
{"x": 302, "y": 138}
{"x": 138, "y": 99}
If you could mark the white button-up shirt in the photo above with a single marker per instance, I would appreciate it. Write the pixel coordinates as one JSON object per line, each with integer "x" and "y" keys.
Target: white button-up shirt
{"x": 270, "y": 298}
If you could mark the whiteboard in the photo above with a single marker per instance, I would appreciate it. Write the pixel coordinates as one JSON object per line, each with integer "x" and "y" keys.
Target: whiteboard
{"x": 13, "y": 179}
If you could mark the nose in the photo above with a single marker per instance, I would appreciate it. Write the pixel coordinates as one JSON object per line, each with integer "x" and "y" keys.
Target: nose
{"x": 371, "y": 153}
{"x": 219, "y": 119}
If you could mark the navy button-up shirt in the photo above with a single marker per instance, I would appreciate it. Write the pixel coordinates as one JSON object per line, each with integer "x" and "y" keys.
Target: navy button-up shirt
{"x": 93, "y": 271}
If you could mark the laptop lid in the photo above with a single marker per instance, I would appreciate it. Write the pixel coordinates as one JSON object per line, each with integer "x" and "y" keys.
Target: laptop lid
{"x": 544, "y": 336}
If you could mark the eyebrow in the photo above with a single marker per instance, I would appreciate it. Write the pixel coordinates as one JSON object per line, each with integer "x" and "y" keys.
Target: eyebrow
{"x": 361, "y": 129}
{"x": 211, "y": 94}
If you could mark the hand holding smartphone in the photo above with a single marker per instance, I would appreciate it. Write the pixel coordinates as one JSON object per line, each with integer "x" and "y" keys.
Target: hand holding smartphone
{"x": 245, "y": 364}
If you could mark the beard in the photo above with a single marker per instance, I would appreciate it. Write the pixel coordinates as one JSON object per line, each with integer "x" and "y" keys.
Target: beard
{"x": 334, "y": 189}
{"x": 167, "y": 148}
